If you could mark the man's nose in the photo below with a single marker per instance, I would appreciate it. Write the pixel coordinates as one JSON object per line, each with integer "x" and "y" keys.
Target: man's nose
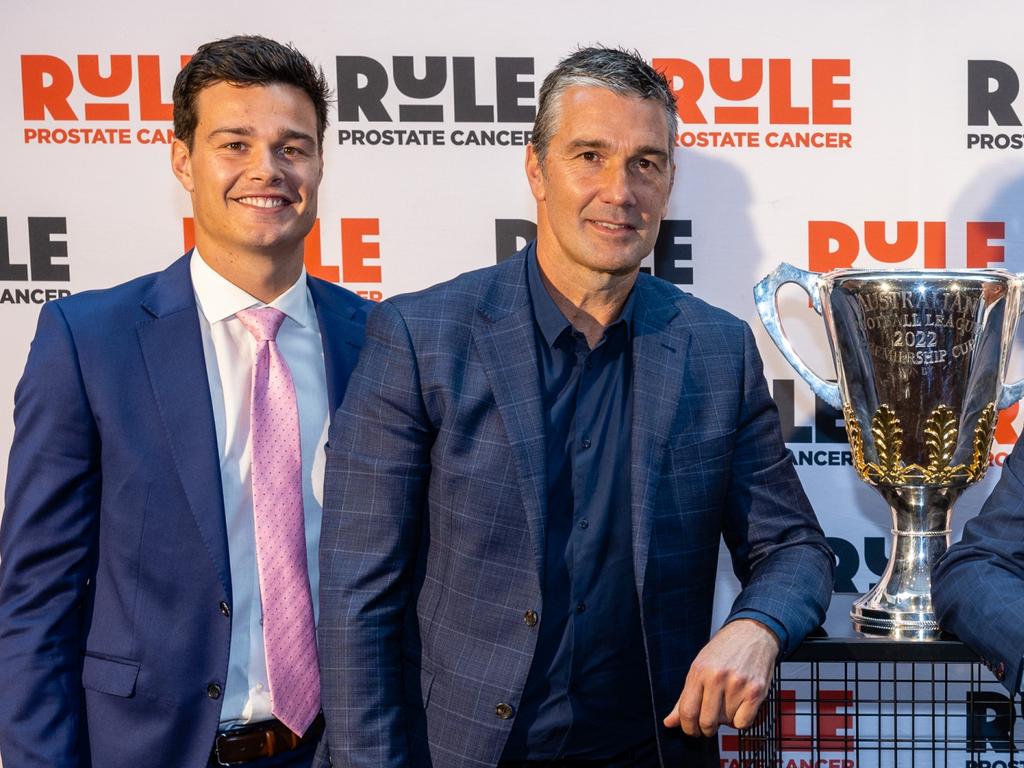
{"x": 264, "y": 165}
{"x": 617, "y": 187}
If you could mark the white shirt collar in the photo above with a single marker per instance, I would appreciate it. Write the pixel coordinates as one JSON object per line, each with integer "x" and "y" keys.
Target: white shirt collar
{"x": 219, "y": 299}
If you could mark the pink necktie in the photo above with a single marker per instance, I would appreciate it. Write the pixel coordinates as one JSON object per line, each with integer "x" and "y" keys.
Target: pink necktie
{"x": 289, "y": 635}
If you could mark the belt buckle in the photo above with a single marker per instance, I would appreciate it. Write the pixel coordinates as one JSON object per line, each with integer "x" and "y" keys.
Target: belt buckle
{"x": 227, "y": 734}
{"x": 216, "y": 752}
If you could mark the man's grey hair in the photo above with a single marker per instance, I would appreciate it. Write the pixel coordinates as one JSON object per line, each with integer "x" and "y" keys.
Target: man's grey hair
{"x": 619, "y": 70}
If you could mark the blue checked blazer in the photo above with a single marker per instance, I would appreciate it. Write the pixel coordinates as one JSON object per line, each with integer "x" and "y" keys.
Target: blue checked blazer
{"x": 434, "y": 510}
{"x": 978, "y": 585}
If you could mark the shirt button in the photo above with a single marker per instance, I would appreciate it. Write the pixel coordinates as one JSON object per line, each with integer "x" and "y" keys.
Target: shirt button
{"x": 586, "y": 442}
{"x": 530, "y": 618}
{"x": 581, "y": 607}
{"x": 225, "y": 609}
{"x": 504, "y": 711}
{"x": 584, "y": 524}
{"x": 213, "y": 690}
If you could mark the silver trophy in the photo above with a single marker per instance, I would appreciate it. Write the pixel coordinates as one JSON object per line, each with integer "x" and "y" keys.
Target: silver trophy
{"x": 921, "y": 357}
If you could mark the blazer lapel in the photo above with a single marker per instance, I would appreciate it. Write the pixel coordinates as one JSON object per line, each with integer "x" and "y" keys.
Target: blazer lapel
{"x": 172, "y": 348}
{"x": 660, "y": 342}
{"x": 505, "y": 340}
{"x": 342, "y": 338}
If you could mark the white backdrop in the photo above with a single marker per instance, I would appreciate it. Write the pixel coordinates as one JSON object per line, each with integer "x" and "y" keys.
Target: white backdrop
{"x": 89, "y": 199}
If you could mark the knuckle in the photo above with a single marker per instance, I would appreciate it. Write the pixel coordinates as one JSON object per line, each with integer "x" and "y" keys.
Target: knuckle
{"x": 718, "y": 675}
{"x": 756, "y": 690}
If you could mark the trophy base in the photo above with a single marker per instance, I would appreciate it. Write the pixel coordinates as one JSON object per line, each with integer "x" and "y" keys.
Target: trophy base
{"x": 893, "y": 623}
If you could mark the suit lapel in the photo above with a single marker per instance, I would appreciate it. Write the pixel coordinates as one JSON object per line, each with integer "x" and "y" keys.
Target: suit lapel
{"x": 505, "y": 340}
{"x": 660, "y": 342}
{"x": 172, "y": 348}
{"x": 342, "y": 339}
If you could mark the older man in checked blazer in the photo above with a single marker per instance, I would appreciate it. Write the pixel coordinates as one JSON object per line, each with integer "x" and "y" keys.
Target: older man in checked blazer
{"x": 531, "y": 472}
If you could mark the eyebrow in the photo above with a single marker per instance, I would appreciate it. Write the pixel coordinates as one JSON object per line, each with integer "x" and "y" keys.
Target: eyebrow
{"x": 578, "y": 144}
{"x": 289, "y": 134}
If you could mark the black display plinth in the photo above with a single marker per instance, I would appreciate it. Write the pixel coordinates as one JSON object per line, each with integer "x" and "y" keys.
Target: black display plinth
{"x": 845, "y": 699}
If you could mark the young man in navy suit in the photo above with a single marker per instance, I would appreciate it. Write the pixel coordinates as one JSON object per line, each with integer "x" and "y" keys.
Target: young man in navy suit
{"x": 139, "y": 590}
{"x": 522, "y": 529}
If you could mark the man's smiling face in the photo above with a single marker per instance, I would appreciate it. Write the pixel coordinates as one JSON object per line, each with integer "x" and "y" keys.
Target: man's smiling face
{"x": 253, "y": 170}
{"x": 604, "y": 184}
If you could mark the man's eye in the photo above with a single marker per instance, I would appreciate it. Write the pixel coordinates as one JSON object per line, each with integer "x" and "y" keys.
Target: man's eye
{"x": 291, "y": 151}
{"x": 234, "y": 145}
{"x": 644, "y": 163}
{"x": 589, "y": 156}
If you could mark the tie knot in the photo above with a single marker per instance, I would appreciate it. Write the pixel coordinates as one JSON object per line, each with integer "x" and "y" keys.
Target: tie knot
{"x": 262, "y": 322}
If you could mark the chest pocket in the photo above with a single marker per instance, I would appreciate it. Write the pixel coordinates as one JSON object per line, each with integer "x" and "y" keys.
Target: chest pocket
{"x": 697, "y": 471}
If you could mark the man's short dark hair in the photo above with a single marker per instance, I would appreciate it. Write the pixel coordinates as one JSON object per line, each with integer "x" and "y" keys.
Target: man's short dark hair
{"x": 245, "y": 60}
{"x": 619, "y": 70}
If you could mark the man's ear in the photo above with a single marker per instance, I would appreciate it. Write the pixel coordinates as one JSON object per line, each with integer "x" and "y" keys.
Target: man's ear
{"x": 535, "y": 173}
{"x": 181, "y": 164}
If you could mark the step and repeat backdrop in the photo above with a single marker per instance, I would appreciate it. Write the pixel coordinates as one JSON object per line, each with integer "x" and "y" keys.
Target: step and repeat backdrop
{"x": 822, "y": 134}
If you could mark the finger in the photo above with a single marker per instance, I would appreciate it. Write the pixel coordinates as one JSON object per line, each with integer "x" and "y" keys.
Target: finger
{"x": 733, "y": 701}
{"x": 711, "y": 710}
{"x": 689, "y": 706}
{"x": 739, "y": 690}
{"x": 746, "y": 713}
{"x": 749, "y": 700}
{"x": 672, "y": 719}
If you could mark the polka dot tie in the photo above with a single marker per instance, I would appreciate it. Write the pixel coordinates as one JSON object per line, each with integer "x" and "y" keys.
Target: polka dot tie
{"x": 288, "y": 631}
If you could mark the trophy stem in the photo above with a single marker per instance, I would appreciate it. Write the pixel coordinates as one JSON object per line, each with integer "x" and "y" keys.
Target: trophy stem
{"x": 900, "y": 605}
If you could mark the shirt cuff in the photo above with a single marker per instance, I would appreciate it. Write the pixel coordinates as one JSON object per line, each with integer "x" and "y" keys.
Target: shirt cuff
{"x": 763, "y": 618}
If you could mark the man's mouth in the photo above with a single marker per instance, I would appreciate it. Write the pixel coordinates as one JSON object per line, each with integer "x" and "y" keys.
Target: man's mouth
{"x": 611, "y": 226}
{"x": 263, "y": 202}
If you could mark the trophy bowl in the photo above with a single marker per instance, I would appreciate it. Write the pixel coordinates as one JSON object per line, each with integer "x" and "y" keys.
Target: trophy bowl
{"x": 921, "y": 357}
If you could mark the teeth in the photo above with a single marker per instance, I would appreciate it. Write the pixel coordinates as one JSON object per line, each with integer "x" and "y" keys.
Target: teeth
{"x": 262, "y": 202}
{"x": 606, "y": 225}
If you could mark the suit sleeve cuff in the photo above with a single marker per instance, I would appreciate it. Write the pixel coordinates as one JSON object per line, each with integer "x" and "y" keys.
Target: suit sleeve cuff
{"x": 763, "y": 618}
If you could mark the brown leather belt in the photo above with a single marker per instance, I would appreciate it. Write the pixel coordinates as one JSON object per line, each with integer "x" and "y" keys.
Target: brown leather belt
{"x": 266, "y": 739}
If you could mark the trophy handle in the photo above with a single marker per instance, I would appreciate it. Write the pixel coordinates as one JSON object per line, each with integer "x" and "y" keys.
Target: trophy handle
{"x": 1012, "y": 392}
{"x": 766, "y": 299}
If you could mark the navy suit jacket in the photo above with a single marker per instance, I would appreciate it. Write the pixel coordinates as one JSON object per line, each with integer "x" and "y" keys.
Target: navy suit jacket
{"x": 114, "y": 582}
{"x": 978, "y": 585}
{"x": 434, "y": 515}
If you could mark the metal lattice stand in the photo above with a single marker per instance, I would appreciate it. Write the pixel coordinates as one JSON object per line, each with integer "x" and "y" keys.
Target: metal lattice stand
{"x": 846, "y": 700}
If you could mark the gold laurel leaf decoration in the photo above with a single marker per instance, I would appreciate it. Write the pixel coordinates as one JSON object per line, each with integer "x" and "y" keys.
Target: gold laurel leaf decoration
{"x": 888, "y": 434}
{"x": 983, "y": 434}
{"x": 853, "y": 432}
{"x": 940, "y": 431}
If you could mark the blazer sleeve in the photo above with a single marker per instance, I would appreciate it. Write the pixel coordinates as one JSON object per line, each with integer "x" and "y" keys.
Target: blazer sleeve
{"x": 978, "y": 584}
{"x": 375, "y": 488}
{"x": 47, "y": 543}
{"x": 779, "y": 552}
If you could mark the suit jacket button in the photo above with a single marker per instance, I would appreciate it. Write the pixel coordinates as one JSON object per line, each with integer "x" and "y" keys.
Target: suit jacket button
{"x": 225, "y": 609}
{"x": 503, "y": 711}
{"x": 213, "y": 690}
{"x": 530, "y": 618}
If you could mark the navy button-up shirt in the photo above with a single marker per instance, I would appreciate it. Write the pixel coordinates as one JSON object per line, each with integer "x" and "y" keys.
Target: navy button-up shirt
{"x": 587, "y": 694}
